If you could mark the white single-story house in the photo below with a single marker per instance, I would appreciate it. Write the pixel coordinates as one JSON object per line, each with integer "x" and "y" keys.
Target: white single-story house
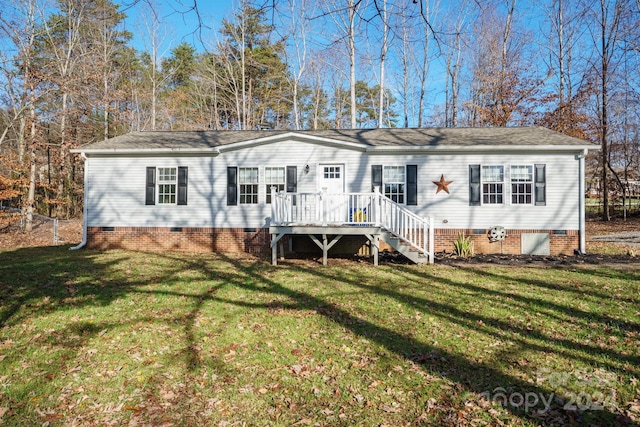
{"x": 513, "y": 190}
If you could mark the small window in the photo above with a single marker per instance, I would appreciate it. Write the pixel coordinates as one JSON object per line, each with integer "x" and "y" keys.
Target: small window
{"x": 521, "y": 184}
{"x": 167, "y": 181}
{"x": 248, "y": 182}
{"x": 393, "y": 178}
{"x": 274, "y": 177}
{"x": 332, "y": 172}
{"x": 492, "y": 184}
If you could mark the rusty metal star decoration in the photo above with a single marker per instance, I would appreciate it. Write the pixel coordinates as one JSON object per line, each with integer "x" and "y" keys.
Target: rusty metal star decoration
{"x": 442, "y": 184}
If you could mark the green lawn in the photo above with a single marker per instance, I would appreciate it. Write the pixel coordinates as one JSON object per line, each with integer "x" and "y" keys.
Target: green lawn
{"x": 124, "y": 338}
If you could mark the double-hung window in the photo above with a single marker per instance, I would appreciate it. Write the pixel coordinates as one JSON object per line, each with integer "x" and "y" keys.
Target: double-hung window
{"x": 274, "y": 177}
{"x": 487, "y": 184}
{"x": 167, "y": 181}
{"x": 244, "y": 184}
{"x": 399, "y": 183}
{"x": 521, "y": 184}
{"x": 248, "y": 183}
{"x": 166, "y": 186}
{"x": 492, "y": 184}
{"x": 393, "y": 178}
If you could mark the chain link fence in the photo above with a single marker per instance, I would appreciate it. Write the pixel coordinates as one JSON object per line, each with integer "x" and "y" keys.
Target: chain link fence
{"x": 46, "y": 229}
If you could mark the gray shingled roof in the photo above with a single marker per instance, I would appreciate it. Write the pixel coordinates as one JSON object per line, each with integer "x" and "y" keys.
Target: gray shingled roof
{"x": 423, "y": 137}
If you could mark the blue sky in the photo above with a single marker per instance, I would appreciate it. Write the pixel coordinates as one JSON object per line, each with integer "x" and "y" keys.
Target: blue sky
{"x": 179, "y": 21}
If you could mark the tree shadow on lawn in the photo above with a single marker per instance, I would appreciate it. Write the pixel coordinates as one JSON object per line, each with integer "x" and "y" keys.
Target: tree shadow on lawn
{"x": 473, "y": 376}
{"x": 39, "y": 281}
{"x": 33, "y": 274}
{"x": 45, "y": 273}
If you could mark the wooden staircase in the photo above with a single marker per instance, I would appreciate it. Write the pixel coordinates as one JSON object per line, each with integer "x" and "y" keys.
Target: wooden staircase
{"x": 409, "y": 251}
{"x": 406, "y": 232}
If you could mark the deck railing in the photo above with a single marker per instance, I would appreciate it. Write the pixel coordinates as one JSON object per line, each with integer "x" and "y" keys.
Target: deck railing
{"x": 357, "y": 209}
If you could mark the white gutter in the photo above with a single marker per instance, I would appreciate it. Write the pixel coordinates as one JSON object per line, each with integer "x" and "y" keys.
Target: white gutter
{"x": 380, "y": 149}
{"x": 478, "y": 147}
{"x": 84, "y": 207}
{"x": 120, "y": 151}
{"x": 581, "y": 202}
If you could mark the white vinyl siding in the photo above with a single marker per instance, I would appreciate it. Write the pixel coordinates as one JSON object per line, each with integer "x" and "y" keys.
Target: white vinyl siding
{"x": 115, "y": 187}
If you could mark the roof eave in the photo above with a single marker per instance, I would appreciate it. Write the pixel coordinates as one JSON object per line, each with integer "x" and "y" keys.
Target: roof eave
{"x": 480, "y": 148}
{"x": 294, "y": 136}
{"x": 152, "y": 151}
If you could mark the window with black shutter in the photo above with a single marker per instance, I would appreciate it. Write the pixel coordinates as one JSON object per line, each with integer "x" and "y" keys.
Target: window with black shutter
{"x": 541, "y": 184}
{"x": 474, "y": 185}
{"x": 150, "y": 193}
{"x": 183, "y": 178}
{"x": 166, "y": 186}
{"x": 412, "y": 185}
{"x": 232, "y": 186}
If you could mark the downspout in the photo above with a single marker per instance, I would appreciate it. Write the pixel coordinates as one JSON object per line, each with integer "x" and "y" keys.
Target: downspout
{"x": 581, "y": 203}
{"x": 84, "y": 207}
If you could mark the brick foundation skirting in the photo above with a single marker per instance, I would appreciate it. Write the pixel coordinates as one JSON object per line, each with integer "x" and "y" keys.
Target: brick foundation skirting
{"x": 256, "y": 240}
{"x": 154, "y": 239}
{"x": 561, "y": 242}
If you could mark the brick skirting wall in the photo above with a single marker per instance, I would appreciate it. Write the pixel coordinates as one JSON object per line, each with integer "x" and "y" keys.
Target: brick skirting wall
{"x": 256, "y": 240}
{"x": 154, "y": 239}
{"x": 560, "y": 241}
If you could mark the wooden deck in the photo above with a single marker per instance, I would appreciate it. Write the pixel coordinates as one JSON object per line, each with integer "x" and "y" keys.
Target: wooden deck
{"x": 327, "y": 217}
{"x": 325, "y": 237}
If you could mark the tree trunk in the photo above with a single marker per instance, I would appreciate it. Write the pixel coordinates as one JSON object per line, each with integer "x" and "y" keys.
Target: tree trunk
{"x": 31, "y": 195}
{"x": 605, "y": 146}
{"x": 383, "y": 54}
{"x": 352, "y": 61}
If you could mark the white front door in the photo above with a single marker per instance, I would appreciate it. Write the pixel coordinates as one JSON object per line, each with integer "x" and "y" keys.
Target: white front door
{"x": 332, "y": 180}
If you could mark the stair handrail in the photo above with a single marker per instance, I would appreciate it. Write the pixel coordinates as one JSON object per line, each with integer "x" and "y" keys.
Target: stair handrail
{"x": 405, "y": 224}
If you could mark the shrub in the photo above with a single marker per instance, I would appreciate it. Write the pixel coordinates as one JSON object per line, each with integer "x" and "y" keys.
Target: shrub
{"x": 463, "y": 246}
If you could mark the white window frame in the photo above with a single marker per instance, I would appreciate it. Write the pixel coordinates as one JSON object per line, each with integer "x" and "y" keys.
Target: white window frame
{"x": 489, "y": 195}
{"x": 526, "y": 186}
{"x": 167, "y": 185}
{"x": 248, "y": 186}
{"x": 332, "y": 171}
{"x": 274, "y": 181}
{"x": 397, "y": 194}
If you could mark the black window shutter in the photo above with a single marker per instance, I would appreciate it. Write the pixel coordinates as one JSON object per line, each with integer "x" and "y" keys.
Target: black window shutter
{"x": 182, "y": 185}
{"x": 292, "y": 179}
{"x": 232, "y": 186}
{"x": 474, "y": 185}
{"x": 541, "y": 184}
{"x": 150, "y": 194}
{"x": 412, "y": 185}
{"x": 376, "y": 177}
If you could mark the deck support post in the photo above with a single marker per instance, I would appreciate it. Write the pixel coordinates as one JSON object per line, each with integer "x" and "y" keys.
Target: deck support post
{"x": 325, "y": 250}
{"x": 325, "y": 245}
{"x": 324, "y": 237}
{"x": 375, "y": 247}
{"x": 275, "y": 238}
